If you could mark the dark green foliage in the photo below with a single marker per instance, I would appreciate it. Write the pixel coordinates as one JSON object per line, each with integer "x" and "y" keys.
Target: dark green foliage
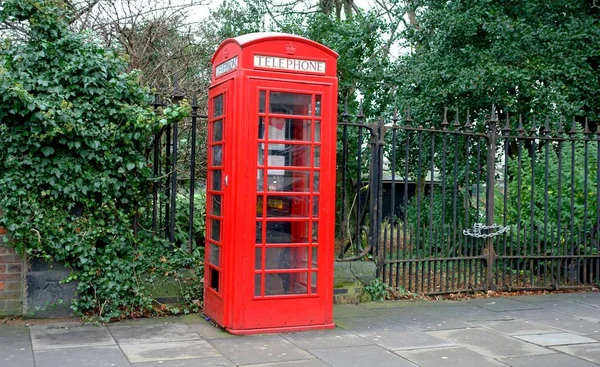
{"x": 523, "y": 56}
{"x": 75, "y": 179}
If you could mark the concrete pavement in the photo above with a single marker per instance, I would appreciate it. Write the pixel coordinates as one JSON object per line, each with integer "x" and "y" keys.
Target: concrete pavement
{"x": 544, "y": 330}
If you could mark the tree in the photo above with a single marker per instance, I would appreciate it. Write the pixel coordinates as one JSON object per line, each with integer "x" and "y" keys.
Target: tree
{"x": 524, "y": 56}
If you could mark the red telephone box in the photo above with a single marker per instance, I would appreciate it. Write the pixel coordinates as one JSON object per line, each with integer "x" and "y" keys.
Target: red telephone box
{"x": 271, "y": 184}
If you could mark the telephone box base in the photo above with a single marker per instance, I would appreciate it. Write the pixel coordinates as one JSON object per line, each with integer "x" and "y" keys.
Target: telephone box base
{"x": 285, "y": 329}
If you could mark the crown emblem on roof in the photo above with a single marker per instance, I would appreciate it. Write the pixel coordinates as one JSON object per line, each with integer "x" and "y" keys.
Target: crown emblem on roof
{"x": 290, "y": 49}
{"x": 226, "y": 52}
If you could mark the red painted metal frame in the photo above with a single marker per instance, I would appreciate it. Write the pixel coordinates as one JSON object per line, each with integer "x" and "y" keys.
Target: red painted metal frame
{"x": 233, "y": 303}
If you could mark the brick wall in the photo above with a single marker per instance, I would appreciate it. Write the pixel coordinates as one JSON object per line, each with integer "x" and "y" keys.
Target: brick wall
{"x": 11, "y": 280}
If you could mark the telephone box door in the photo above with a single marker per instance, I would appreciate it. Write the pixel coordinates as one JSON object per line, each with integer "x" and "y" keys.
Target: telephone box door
{"x": 293, "y": 240}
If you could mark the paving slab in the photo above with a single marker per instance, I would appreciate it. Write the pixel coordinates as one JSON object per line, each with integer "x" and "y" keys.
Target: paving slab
{"x": 13, "y": 334}
{"x": 581, "y": 311}
{"x": 559, "y": 321}
{"x": 370, "y": 355}
{"x": 392, "y": 335}
{"x": 16, "y": 355}
{"x": 589, "y": 352}
{"x": 556, "y": 339}
{"x": 151, "y": 332}
{"x": 447, "y": 357}
{"x": 303, "y": 363}
{"x": 194, "y": 362}
{"x": 489, "y": 343}
{"x": 425, "y": 319}
{"x": 592, "y": 299}
{"x": 409, "y": 304}
{"x": 516, "y": 327}
{"x": 109, "y": 356}
{"x": 260, "y": 349}
{"x": 368, "y": 324}
{"x": 205, "y": 328}
{"x": 56, "y": 336}
{"x": 553, "y": 297}
{"x": 504, "y": 304}
{"x": 165, "y": 351}
{"x": 557, "y": 359}
{"x": 334, "y": 338}
{"x": 345, "y": 311}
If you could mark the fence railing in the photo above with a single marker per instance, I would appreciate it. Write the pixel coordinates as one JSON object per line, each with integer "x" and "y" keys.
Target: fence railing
{"x": 471, "y": 205}
{"x": 178, "y": 187}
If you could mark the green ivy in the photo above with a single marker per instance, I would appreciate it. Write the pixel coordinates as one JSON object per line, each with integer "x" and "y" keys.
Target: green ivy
{"x": 74, "y": 134}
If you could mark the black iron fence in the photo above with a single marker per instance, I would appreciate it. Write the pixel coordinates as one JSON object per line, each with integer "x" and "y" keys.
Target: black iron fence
{"x": 178, "y": 192}
{"x": 471, "y": 205}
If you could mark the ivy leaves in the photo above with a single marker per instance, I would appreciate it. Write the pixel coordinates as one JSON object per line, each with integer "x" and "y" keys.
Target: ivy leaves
{"x": 75, "y": 127}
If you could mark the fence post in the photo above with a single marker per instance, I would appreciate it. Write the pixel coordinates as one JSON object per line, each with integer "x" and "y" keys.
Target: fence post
{"x": 490, "y": 187}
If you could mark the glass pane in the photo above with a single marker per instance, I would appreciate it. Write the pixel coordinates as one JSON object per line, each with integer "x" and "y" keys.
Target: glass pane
{"x": 261, "y": 127}
{"x": 215, "y": 229}
{"x": 258, "y": 258}
{"x": 317, "y": 131}
{"x": 284, "y": 232}
{"x": 313, "y": 282}
{"x": 260, "y": 157}
{"x": 215, "y": 255}
{"x": 216, "y": 180}
{"x": 288, "y": 155}
{"x": 317, "y": 105}
{"x": 290, "y": 103}
{"x": 284, "y": 206}
{"x": 260, "y": 173}
{"x": 261, "y": 101}
{"x": 289, "y": 181}
{"x": 217, "y": 158}
{"x": 257, "y": 285}
{"x": 285, "y": 283}
{"x": 316, "y": 183}
{"x": 315, "y": 207}
{"x": 286, "y": 258}
{"x": 218, "y": 130}
{"x": 315, "y": 252}
{"x": 216, "y": 205}
{"x": 218, "y": 106}
{"x": 315, "y": 231}
{"x": 317, "y": 156}
{"x": 259, "y": 234}
{"x": 289, "y": 129}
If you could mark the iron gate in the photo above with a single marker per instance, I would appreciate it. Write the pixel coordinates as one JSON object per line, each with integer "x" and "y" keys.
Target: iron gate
{"x": 471, "y": 205}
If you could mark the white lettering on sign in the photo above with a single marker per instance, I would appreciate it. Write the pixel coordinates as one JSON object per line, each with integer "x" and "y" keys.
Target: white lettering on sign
{"x": 226, "y": 67}
{"x": 282, "y": 63}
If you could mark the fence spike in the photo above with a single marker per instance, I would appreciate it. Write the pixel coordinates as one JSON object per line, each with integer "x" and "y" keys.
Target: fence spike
{"x": 534, "y": 128}
{"x": 586, "y": 127}
{"x": 506, "y": 129}
{"x": 456, "y": 123}
{"x": 345, "y": 115}
{"x": 177, "y": 93}
{"x": 520, "y": 129}
{"x": 547, "y": 126}
{"x": 561, "y": 125}
{"x": 360, "y": 115}
{"x": 194, "y": 101}
{"x": 494, "y": 117}
{"x": 395, "y": 115}
{"x": 573, "y": 127}
{"x": 408, "y": 118}
{"x": 445, "y": 121}
{"x": 468, "y": 123}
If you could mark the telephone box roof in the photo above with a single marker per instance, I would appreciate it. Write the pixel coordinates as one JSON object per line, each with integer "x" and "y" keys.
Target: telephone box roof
{"x": 259, "y": 37}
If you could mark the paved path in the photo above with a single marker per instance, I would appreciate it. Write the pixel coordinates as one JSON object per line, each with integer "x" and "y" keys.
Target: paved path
{"x": 548, "y": 330}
